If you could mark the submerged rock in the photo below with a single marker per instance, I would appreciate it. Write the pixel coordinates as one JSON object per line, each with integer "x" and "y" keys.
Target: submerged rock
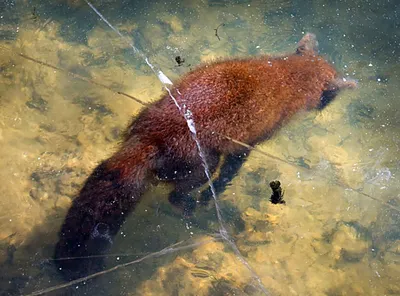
{"x": 360, "y": 113}
{"x": 347, "y": 244}
{"x": 38, "y": 103}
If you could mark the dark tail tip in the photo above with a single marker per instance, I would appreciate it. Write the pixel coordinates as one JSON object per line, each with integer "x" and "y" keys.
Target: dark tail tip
{"x": 82, "y": 256}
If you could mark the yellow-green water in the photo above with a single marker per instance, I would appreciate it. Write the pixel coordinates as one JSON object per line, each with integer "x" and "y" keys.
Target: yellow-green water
{"x": 339, "y": 232}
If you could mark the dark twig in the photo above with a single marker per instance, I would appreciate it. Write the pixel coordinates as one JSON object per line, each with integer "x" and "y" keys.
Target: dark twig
{"x": 216, "y": 31}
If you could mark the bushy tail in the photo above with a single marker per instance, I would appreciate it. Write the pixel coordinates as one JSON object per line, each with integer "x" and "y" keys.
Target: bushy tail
{"x": 108, "y": 196}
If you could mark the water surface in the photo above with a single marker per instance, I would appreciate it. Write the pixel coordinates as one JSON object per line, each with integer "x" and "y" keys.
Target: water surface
{"x": 62, "y": 112}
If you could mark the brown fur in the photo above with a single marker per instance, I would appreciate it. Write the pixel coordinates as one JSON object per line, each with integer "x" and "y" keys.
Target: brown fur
{"x": 245, "y": 99}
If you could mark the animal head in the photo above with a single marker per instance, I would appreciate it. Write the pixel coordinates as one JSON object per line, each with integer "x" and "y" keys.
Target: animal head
{"x": 308, "y": 46}
{"x": 333, "y": 89}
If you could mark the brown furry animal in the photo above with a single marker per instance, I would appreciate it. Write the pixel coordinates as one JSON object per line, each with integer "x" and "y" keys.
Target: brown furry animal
{"x": 245, "y": 99}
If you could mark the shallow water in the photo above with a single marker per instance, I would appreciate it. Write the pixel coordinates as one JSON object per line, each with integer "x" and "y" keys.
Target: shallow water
{"x": 337, "y": 234}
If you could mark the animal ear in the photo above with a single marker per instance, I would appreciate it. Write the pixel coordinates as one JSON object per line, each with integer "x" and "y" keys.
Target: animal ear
{"x": 308, "y": 45}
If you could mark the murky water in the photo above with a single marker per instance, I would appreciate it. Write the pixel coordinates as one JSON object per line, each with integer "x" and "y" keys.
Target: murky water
{"x": 67, "y": 82}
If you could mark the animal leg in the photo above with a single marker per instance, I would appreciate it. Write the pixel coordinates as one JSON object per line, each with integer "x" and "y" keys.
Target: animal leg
{"x": 194, "y": 178}
{"x": 229, "y": 169}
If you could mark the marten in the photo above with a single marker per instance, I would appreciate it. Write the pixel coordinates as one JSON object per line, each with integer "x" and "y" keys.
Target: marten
{"x": 246, "y": 99}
